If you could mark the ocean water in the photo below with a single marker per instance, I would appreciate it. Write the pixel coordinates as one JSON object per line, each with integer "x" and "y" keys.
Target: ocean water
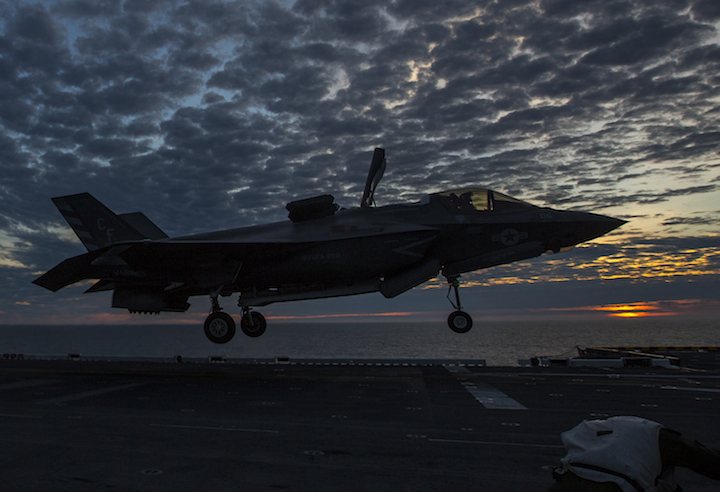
{"x": 499, "y": 343}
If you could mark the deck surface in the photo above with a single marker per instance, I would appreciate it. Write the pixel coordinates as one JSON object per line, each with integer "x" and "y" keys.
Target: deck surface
{"x": 131, "y": 426}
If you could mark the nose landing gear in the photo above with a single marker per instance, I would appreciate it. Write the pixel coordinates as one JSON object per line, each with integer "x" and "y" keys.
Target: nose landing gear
{"x": 458, "y": 321}
{"x": 253, "y": 324}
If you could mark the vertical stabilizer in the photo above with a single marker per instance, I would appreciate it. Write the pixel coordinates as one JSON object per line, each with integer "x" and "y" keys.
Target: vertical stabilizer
{"x": 95, "y": 224}
{"x": 143, "y": 225}
{"x": 377, "y": 168}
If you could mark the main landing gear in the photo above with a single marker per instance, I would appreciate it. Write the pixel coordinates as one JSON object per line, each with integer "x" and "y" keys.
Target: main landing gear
{"x": 458, "y": 321}
{"x": 220, "y": 327}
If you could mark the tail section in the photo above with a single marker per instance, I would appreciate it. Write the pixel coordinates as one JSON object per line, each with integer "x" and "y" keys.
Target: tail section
{"x": 143, "y": 225}
{"x": 98, "y": 227}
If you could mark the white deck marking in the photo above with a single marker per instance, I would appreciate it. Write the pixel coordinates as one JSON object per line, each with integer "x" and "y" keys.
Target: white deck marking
{"x": 28, "y": 383}
{"x": 206, "y": 427}
{"x": 495, "y": 443}
{"x": 489, "y": 397}
{"x": 492, "y": 398}
{"x": 683, "y": 388}
{"x": 87, "y": 394}
{"x": 13, "y": 415}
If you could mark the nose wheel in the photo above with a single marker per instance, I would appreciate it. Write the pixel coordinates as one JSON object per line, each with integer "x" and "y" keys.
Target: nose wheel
{"x": 458, "y": 321}
{"x": 253, "y": 324}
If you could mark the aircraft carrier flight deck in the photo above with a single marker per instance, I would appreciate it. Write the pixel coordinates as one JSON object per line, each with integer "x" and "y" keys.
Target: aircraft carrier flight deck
{"x": 80, "y": 425}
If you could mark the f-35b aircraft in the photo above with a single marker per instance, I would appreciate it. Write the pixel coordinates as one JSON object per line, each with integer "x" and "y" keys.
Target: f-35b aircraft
{"x": 322, "y": 251}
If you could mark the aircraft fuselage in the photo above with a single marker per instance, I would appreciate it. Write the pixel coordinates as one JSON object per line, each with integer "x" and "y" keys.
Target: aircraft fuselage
{"x": 321, "y": 252}
{"x": 363, "y": 247}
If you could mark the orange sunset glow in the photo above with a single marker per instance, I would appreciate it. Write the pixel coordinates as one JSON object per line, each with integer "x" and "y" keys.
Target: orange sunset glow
{"x": 342, "y": 315}
{"x": 634, "y": 310}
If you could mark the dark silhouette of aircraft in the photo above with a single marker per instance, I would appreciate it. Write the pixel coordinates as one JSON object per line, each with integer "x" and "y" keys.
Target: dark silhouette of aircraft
{"x": 322, "y": 251}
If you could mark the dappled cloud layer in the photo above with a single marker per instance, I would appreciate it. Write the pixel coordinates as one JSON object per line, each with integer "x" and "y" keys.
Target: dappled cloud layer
{"x": 210, "y": 114}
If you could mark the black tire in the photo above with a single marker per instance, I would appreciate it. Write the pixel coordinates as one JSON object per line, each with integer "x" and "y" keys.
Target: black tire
{"x": 258, "y": 326}
{"x": 219, "y": 327}
{"x": 460, "y": 322}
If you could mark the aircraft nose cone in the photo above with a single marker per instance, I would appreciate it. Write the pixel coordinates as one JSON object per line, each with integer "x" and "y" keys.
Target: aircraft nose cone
{"x": 606, "y": 224}
{"x": 584, "y": 226}
{"x": 594, "y": 225}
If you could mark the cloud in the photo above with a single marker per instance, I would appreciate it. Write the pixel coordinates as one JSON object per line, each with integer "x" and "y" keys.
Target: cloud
{"x": 214, "y": 114}
{"x": 706, "y": 10}
{"x": 701, "y": 220}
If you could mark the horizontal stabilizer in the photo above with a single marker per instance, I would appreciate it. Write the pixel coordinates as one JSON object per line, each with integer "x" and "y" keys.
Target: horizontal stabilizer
{"x": 101, "y": 285}
{"x": 68, "y": 272}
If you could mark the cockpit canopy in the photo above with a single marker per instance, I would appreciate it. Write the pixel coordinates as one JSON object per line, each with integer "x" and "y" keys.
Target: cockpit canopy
{"x": 468, "y": 200}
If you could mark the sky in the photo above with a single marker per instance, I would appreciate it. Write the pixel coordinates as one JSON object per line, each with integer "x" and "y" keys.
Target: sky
{"x": 211, "y": 115}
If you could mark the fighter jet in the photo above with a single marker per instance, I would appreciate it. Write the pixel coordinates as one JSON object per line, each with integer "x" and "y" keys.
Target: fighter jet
{"x": 322, "y": 251}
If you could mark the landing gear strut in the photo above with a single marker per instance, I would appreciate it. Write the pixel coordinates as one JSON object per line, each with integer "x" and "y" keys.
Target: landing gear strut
{"x": 458, "y": 321}
{"x": 219, "y": 326}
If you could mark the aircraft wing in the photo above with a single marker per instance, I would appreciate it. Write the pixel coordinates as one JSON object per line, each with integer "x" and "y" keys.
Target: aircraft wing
{"x": 215, "y": 259}
{"x": 288, "y": 233}
{"x": 262, "y": 244}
